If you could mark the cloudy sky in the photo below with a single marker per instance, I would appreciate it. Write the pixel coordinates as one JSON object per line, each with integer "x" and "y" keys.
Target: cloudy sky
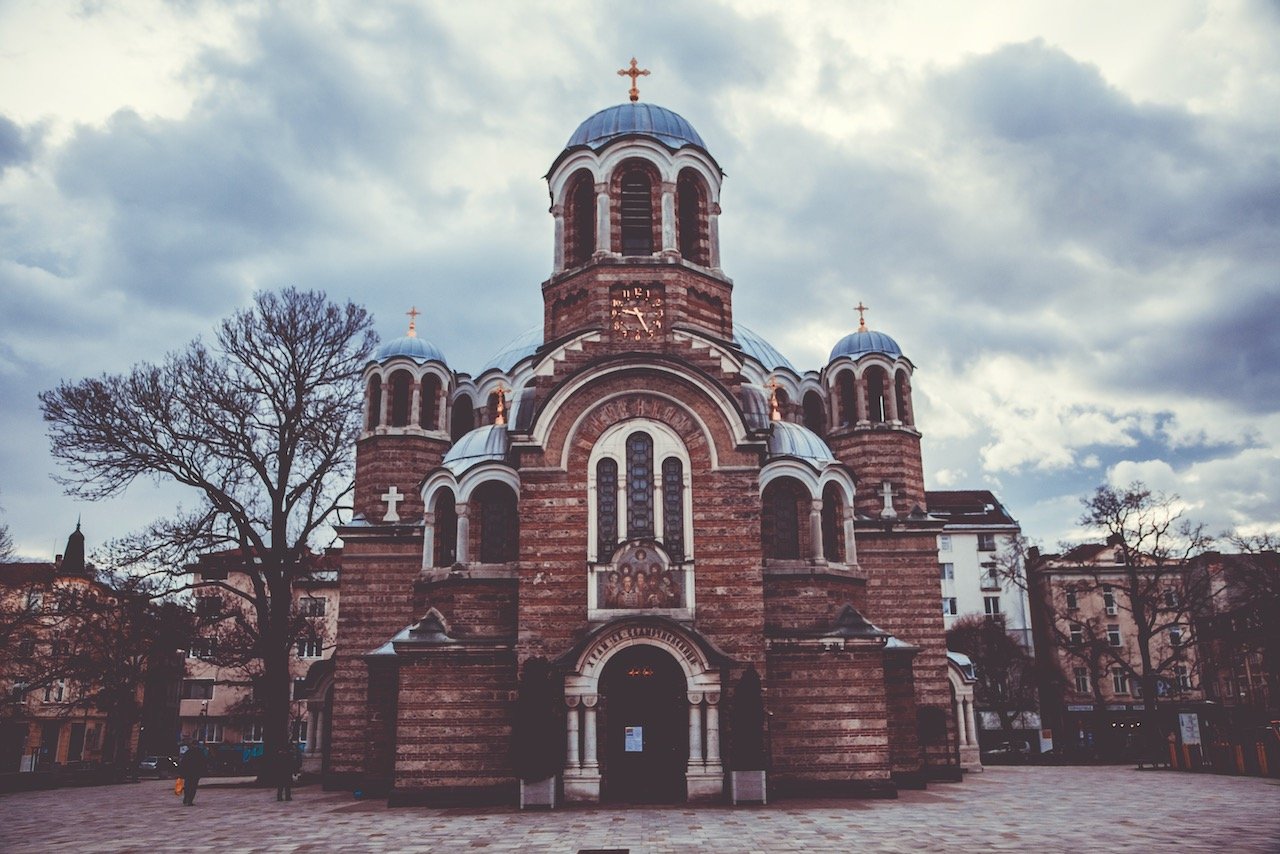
{"x": 1067, "y": 215}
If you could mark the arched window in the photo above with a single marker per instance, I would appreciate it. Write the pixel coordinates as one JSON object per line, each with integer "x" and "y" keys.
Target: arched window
{"x": 832, "y": 524}
{"x": 429, "y": 403}
{"x": 639, "y": 485}
{"x": 691, "y": 216}
{"x": 848, "y": 398}
{"x": 902, "y": 388}
{"x": 636, "y": 211}
{"x": 446, "y": 536}
{"x": 673, "y": 507}
{"x": 401, "y": 385}
{"x": 875, "y": 382}
{"x": 464, "y": 417}
{"x": 499, "y": 527}
{"x": 375, "y": 402}
{"x": 581, "y": 220}
{"x": 815, "y": 416}
{"x": 784, "y": 403}
{"x": 606, "y": 508}
{"x": 780, "y": 519}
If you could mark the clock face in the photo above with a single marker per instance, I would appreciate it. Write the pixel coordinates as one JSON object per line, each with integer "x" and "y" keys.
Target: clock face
{"x": 637, "y": 313}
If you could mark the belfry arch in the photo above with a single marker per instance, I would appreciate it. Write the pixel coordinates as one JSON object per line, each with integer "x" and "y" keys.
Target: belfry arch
{"x": 585, "y": 671}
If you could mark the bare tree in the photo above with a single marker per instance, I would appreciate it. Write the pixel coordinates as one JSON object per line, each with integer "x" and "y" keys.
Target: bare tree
{"x": 1006, "y": 678}
{"x": 261, "y": 427}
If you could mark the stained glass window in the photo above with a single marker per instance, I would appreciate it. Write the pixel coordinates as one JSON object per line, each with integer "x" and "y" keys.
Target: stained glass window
{"x": 606, "y": 508}
{"x": 673, "y": 507}
{"x": 639, "y": 485}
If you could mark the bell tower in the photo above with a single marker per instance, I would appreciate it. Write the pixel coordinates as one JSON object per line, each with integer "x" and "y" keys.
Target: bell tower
{"x": 635, "y": 196}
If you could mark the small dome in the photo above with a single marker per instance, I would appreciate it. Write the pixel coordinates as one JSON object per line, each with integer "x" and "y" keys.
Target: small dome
{"x": 793, "y": 440}
{"x": 483, "y": 444}
{"x": 759, "y": 349}
{"x": 517, "y": 350}
{"x": 631, "y": 119}
{"x": 865, "y": 341}
{"x": 419, "y": 349}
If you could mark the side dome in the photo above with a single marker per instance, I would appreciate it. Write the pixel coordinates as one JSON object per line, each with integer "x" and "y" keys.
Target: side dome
{"x": 517, "y": 350}
{"x": 759, "y": 349}
{"x": 635, "y": 119}
{"x": 793, "y": 440}
{"x": 419, "y": 349}
{"x": 865, "y": 341}
{"x": 483, "y": 444}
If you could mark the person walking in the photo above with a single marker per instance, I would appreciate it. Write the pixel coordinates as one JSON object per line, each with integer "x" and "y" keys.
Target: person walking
{"x": 286, "y": 763}
{"x": 191, "y": 767}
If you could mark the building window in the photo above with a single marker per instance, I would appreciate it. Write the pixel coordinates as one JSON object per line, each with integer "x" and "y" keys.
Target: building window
{"x": 949, "y": 606}
{"x": 1119, "y": 680}
{"x": 1109, "y": 600}
{"x": 992, "y": 605}
{"x": 1175, "y": 635}
{"x": 637, "y": 213}
{"x": 833, "y": 524}
{"x": 57, "y": 646}
{"x": 35, "y": 601}
{"x": 298, "y": 731}
{"x": 499, "y": 526}
{"x": 947, "y": 571}
{"x": 26, "y": 648}
{"x": 253, "y": 733}
{"x": 780, "y": 520}
{"x": 201, "y": 648}
{"x": 639, "y": 485}
{"x": 312, "y": 606}
{"x": 208, "y": 605}
{"x": 310, "y": 648}
{"x": 986, "y": 542}
{"x": 944, "y": 542}
{"x": 673, "y": 507}
{"x": 18, "y": 690}
{"x": 1082, "y": 680}
{"x": 300, "y": 688}
{"x": 606, "y": 508}
{"x": 1077, "y": 634}
{"x": 1171, "y": 597}
{"x": 209, "y": 731}
{"x": 1113, "y": 635}
{"x": 1183, "y": 674}
{"x": 990, "y": 577}
{"x": 446, "y": 540}
{"x": 197, "y": 689}
{"x": 54, "y": 692}
{"x": 689, "y": 208}
{"x": 1073, "y": 602}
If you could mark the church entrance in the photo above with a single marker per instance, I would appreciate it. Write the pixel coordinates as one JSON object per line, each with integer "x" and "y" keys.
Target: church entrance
{"x": 646, "y": 744}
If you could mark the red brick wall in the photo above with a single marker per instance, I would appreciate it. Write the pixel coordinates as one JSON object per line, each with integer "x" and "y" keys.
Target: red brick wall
{"x": 400, "y": 459}
{"x": 877, "y": 454}
{"x": 900, "y": 695}
{"x": 472, "y": 607}
{"x": 804, "y": 603}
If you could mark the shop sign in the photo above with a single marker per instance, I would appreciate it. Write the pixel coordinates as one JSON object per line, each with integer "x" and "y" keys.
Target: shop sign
{"x": 1189, "y": 726}
{"x": 1080, "y": 707}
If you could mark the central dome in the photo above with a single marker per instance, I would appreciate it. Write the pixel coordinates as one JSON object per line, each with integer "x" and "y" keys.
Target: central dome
{"x": 635, "y": 119}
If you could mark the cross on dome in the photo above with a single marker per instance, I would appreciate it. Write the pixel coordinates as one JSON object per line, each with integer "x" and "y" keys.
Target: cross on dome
{"x": 862, "y": 321}
{"x": 413, "y": 321}
{"x": 501, "y": 417}
{"x": 774, "y": 413}
{"x": 633, "y": 72}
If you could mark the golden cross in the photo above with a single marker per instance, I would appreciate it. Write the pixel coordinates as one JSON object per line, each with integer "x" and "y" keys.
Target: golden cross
{"x": 413, "y": 321}
{"x": 633, "y": 72}
{"x": 774, "y": 413}
{"x": 501, "y": 417}
{"x": 862, "y": 321}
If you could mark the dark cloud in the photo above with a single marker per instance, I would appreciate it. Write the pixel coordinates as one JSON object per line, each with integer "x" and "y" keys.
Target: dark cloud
{"x": 15, "y": 150}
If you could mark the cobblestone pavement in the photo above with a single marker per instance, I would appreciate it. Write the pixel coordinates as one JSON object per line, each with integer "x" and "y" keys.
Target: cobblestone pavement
{"x": 1004, "y": 809}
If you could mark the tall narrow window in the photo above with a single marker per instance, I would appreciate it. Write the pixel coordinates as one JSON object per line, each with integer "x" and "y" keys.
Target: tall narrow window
{"x": 848, "y": 399}
{"x": 401, "y": 384}
{"x": 464, "y": 417}
{"x": 375, "y": 402}
{"x": 832, "y": 524}
{"x": 903, "y": 392}
{"x": 429, "y": 403}
{"x": 639, "y": 485}
{"x": 582, "y": 221}
{"x": 498, "y": 526}
{"x": 606, "y": 508}
{"x": 446, "y": 540}
{"x": 780, "y": 520}
{"x": 874, "y": 378}
{"x": 637, "y": 213}
{"x": 691, "y": 216}
{"x": 673, "y": 507}
{"x": 815, "y": 417}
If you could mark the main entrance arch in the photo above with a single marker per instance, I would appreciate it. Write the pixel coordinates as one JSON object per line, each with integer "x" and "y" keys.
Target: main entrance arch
{"x": 652, "y": 674}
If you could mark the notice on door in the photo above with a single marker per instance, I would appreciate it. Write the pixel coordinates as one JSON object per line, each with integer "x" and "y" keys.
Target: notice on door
{"x": 633, "y": 740}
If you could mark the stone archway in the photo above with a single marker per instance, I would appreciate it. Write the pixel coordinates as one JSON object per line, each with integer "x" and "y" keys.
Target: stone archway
{"x": 638, "y": 638}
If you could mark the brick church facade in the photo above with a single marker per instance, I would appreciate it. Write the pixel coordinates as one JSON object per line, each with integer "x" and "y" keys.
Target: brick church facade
{"x": 652, "y": 499}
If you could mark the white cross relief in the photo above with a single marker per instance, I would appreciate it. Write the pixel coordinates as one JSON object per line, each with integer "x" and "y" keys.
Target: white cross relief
{"x": 886, "y": 493}
{"x": 393, "y": 497}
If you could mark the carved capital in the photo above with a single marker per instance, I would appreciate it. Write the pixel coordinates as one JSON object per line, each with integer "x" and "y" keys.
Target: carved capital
{"x": 712, "y": 698}
{"x": 695, "y": 698}
{"x": 571, "y": 700}
{"x": 590, "y": 700}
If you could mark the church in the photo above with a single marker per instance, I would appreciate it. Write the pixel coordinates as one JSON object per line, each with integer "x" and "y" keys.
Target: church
{"x": 645, "y": 495}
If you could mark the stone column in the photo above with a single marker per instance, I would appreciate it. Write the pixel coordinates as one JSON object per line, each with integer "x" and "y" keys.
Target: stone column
{"x": 464, "y": 532}
{"x": 713, "y": 234}
{"x": 384, "y": 420}
{"x": 860, "y": 394}
{"x": 589, "y": 762}
{"x": 415, "y": 402}
{"x": 972, "y": 721}
{"x": 428, "y": 539}
{"x": 713, "y": 733}
{"x": 442, "y": 409}
{"x": 571, "y": 760}
{"x": 961, "y": 722}
{"x": 850, "y": 544}
{"x": 557, "y": 211}
{"x": 890, "y": 400}
{"x": 816, "y": 549}
{"x": 669, "y": 217}
{"x": 604, "y": 235}
{"x": 696, "y": 762}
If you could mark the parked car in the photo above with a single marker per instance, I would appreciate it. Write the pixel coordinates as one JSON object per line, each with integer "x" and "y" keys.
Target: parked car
{"x": 162, "y": 767}
{"x": 1006, "y": 753}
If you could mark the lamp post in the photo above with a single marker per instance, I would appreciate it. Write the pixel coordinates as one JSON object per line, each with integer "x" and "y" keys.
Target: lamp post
{"x": 204, "y": 715}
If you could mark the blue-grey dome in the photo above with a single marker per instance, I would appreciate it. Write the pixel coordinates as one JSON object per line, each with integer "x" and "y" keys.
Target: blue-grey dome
{"x": 419, "y": 349}
{"x": 629, "y": 119}
{"x": 865, "y": 341}
{"x": 520, "y": 348}
{"x": 482, "y": 444}
{"x": 793, "y": 440}
{"x": 759, "y": 349}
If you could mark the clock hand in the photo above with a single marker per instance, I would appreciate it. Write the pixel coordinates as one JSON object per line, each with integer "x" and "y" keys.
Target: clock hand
{"x": 640, "y": 315}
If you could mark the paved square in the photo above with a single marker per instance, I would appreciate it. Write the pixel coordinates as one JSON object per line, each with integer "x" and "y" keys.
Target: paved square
{"x": 1005, "y": 809}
